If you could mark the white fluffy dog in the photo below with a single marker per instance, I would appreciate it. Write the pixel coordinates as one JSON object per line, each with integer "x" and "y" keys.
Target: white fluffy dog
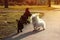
{"x": 37, "y": 22}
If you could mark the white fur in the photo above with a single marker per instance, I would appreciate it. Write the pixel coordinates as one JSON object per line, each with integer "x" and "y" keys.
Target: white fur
{"x": 37, "y": 22}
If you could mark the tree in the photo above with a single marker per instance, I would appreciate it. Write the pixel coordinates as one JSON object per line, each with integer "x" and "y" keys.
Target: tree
{"x": 49, "y": 3}
{"x": 57, "y": 2}
{"x": 18, "y": 1}
{"x": 6, "y": 3}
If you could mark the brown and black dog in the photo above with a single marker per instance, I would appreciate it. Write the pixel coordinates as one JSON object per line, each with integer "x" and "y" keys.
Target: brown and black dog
{"x": 23, "y": 20}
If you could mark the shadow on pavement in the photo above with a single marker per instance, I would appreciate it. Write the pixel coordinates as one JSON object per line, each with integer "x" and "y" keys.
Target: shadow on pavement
{"x": 23, "y": 35}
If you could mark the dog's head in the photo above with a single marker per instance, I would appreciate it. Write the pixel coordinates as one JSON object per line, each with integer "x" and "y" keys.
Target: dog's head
{"x": 35, "y": 15}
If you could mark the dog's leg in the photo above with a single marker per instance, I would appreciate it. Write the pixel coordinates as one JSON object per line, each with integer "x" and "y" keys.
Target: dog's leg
{"x": 28, "y": 21}
{"x": 38, "y": 28}
{"x": 18, "y": 30}
{"x": 21, "y": 30}
{"x": 43, "y": 26}
{"x": 35, "y": 28}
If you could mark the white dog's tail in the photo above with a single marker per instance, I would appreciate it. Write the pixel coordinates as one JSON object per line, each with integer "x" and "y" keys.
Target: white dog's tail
{"x": 42, "y": 22}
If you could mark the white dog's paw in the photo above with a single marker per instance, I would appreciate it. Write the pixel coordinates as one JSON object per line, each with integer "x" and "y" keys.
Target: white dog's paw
{"x": 38, "y": 29}
{"x": 34, "y": 30}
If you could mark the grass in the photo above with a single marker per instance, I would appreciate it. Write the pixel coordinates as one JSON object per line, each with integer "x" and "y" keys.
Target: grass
{"x": 7, "y": 29}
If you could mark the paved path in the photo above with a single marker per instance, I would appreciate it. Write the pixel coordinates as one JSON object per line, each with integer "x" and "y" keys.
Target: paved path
{"x": 52, "y": 31}
{"x": 55, "y": 6}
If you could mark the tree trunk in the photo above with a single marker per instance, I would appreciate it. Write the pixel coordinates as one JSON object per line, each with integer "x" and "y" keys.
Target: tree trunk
{"x": 6, "y": 3}
{"x": 49, "y": 3}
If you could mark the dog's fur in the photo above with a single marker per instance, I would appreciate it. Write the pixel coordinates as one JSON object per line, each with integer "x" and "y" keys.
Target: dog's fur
{"x": 37, "y": 22}
{"x": 20, "y": 26}
{"x": 23, "y": 20}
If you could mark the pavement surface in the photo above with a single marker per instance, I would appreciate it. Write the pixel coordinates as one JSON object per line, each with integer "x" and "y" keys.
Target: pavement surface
{"x": 55, "y": 6}
{"x": 52, "y": 32}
